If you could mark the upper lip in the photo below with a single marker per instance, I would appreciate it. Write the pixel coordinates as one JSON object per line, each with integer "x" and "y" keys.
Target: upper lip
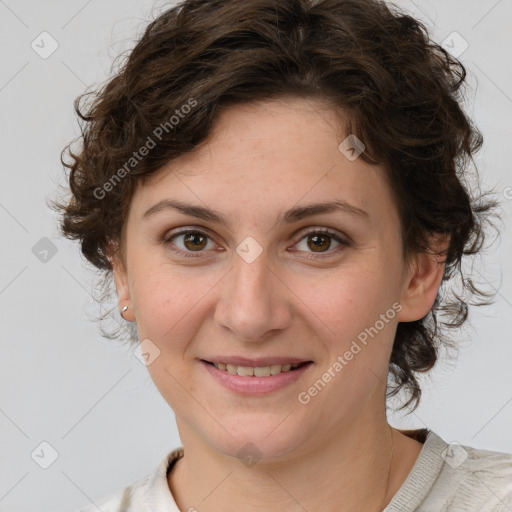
{"x": 255, "y": 362}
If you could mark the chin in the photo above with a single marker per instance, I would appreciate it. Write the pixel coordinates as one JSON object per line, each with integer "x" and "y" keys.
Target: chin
{"x": 258, "y": 441}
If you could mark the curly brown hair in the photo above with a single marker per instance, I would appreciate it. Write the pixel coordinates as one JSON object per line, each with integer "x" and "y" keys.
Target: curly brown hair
{"x": 400, "y": 91}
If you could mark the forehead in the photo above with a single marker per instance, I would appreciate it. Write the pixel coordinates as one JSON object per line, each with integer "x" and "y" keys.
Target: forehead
{"x": 263, "y": 158}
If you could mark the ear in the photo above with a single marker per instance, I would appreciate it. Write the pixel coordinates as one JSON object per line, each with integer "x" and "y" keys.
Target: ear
{"x": 122, "y": 286}
{"x": 422, "y": 281}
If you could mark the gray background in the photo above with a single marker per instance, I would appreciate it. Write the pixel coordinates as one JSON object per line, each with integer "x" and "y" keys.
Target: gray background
{"x": 90, "y": 398}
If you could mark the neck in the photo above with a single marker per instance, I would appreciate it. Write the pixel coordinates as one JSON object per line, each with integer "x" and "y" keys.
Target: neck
{"x": 360, "y": 468}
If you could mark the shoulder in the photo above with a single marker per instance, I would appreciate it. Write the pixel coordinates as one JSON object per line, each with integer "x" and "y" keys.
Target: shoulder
{"x": 450, "y": 477}
{"x": 122, "y": 500}
{"x": 471, "y": 479}
{"x": 145, "y": 495}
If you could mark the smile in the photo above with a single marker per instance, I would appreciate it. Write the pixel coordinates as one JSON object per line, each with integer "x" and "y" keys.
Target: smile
{"x": 255, "y": 380}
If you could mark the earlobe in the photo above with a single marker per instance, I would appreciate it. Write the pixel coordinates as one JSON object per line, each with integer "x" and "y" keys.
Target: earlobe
{"x": 422, "y": 285}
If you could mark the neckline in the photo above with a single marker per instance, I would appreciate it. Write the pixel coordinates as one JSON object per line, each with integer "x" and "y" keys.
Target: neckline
{"x": 424, "y": 473}
{"x": 411, "y": 493}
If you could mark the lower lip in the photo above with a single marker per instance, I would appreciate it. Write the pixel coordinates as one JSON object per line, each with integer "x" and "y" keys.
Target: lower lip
{"x": 255, "y": 385}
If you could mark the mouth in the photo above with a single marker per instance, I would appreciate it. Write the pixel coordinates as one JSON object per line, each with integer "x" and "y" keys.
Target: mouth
{"x": 256, "y": 377}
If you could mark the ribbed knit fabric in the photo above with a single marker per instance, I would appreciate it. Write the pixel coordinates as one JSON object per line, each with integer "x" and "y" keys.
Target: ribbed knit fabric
{"x": 445, "y": 478}
{"x": 454, "y": 478}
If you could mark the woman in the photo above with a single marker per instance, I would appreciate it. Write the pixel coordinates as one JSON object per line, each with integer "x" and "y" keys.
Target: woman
{"x": 277, "y": 190}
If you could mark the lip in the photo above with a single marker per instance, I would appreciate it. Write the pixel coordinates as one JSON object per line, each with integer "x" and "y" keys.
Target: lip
{"x": 256, "y": 386}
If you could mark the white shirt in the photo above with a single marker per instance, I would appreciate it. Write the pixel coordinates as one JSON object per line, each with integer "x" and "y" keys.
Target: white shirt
{"x": 444, "y": 478}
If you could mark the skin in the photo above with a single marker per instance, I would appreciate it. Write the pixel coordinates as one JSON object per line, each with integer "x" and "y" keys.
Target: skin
{"x": 333, "y": 453}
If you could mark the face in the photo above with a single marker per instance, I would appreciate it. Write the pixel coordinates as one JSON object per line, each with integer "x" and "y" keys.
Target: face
{"x": 268, "y": 282}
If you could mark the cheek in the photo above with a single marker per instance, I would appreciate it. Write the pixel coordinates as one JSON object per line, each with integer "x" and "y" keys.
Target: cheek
{"x": 346, "y": 311}
{"x": 348, "y": 301}
{"x": 170, "y": 301}
{"x": 168, "y": 308}
{"x": 164, "y": 309}
{"x": 161, "y": 298}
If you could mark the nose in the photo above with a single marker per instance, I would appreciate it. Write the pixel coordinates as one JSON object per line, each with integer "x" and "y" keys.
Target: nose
{"x": 254, "y": 301}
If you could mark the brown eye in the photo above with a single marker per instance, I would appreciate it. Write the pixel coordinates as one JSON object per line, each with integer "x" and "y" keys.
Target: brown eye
{"x": 192, "y": 241}
{"x": 319, "y": 243}
{"x": 195, "y": 241}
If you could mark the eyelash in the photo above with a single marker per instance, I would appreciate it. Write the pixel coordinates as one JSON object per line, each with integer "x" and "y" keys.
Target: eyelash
{"x": 167, "y": 241}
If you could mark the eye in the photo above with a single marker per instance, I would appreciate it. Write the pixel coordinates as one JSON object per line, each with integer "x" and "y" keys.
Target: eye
{"x": 192, "y": 240}
{"x": 319, "y": 241}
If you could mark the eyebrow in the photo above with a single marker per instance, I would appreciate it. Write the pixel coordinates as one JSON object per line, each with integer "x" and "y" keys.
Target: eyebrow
{"x": 293, "y": 215}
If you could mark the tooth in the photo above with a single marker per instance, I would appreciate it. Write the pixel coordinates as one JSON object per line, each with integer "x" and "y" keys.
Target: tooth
{"x": 245, "y": 371}
{"x": 231, "y": 368}
{"x": 260, "y": 371}
{"x": 275, "y": 369}
{"x": 263, "y": 371}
